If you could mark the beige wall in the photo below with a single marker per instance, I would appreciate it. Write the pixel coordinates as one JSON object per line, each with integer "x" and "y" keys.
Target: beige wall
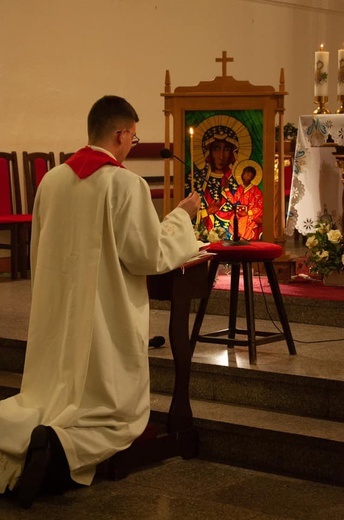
{"x": 58, "y": 57}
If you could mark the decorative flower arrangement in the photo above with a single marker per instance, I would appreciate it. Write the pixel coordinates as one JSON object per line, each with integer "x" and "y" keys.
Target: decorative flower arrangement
{"x": 289, "y": 131}
{"x": 214, "y": 235}
{"x": 325, "y": 248}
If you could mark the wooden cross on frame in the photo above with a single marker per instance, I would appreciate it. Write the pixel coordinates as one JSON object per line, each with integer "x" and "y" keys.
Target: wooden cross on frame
{"x": 224, "y": 60}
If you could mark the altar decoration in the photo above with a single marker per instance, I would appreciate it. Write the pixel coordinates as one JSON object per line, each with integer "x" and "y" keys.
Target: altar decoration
{"x": 321, "y": 68}
{"x": 216, "y": 234}
{"x": 325, "y": 253}
{"x": 192, "y": 184}
{"x": 340, "y": 82}
{"x": 317, "y": 177}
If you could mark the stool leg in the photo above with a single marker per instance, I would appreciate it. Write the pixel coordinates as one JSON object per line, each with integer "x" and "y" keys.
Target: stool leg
{"x": 270, "y": 271}
{"x": 233, "y": 301}
{"x": 214, "y": 264}
{"x": 249, "y": 305}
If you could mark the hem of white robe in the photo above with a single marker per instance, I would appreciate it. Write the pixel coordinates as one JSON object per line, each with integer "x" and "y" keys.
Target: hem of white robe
{"x": 10, "y": 471}
{"x": 85, "y": 474}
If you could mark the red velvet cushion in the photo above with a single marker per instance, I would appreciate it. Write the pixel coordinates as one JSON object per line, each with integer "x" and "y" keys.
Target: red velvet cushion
{"x": 251, "y": 252}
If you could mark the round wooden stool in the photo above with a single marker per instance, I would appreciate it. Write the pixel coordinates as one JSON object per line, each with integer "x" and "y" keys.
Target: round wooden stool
{"x": 242, "y": 255}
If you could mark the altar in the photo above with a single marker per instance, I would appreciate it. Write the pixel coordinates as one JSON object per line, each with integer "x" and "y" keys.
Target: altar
{"x": 316, "y": 184}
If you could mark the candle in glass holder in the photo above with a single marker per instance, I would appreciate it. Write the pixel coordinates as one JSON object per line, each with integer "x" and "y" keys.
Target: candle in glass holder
{"x": 191, "y": 132}
{"x": 321, "y": 72}
{"x": 340, "y": 84}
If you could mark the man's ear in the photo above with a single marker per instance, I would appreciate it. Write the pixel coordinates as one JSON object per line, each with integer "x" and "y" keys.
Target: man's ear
{"x": 118, "y": 138}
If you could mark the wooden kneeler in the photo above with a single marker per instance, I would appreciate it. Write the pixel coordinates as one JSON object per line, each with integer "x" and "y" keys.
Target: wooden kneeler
{"x": 179, "y": 437}
{"x": 151, "y": 448}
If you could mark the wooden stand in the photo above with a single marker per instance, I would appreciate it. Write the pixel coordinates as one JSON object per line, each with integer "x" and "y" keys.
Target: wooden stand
{"x": 180, "y": 438}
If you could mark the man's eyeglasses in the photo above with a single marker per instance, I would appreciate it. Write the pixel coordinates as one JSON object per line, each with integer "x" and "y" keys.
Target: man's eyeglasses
{"x": 134, "y": 139}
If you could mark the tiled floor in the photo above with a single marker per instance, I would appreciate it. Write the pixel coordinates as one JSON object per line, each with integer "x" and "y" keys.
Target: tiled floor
{"x": 192, "y": 489}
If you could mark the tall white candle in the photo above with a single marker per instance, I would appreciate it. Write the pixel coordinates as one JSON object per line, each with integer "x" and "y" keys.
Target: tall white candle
{"x": 321, "y": 72}
{"x": 191, "y": 131}
{"x": 340, "y": 84}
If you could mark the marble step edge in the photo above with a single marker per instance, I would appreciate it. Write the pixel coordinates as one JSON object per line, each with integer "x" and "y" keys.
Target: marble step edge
{"x": 288, "y": 393}
{"x": 249, "y": 373}
{"x": 17, "y": 349}
{"x": 298, "y": 309}
{"x": 221, "y": 415}
{"x": 298, "y": 395}
{"x": 10, "y": 380}
{"x": 299, "y": 447}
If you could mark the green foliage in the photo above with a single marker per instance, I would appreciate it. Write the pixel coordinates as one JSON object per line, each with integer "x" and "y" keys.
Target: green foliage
{"x": 289, "y": 131}
{"x": 214, "y": 235}
{"x": 325, "y": 248}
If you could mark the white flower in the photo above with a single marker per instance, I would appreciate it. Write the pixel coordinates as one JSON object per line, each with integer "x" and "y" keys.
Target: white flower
{"x": 334, "y": 236}
{"x": 324, "y": 228}
{"x": 322, "y": 256}
{"x": 213, "y": 236}
{"x": 311, "y": 242}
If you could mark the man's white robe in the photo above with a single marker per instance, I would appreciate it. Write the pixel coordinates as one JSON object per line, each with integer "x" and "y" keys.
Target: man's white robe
{"x": 94, "y": 240}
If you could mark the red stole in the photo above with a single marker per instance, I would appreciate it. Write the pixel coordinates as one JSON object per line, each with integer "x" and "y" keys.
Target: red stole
{"x": 87, "y": 161}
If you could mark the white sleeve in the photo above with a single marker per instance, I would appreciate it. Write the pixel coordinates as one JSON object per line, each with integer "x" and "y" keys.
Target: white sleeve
{"x": 147, "y": 246}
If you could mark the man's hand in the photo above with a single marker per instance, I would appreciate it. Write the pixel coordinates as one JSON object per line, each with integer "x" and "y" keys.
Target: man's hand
{"x": 191, "y": 204}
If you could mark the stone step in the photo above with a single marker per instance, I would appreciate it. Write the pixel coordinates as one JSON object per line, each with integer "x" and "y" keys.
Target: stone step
{"x": 12, "y": 355}
{"x": 301, "y": 447}
{"x": 280, "y": 392}
{"x": 288, "y": 393}
{"x": 9, "y": 383}
{"x": 299, "y": 309}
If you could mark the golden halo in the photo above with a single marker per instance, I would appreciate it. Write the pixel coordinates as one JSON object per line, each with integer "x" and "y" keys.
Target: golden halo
{"x": 244, "y": 138}
{"x": 239, "y": 168}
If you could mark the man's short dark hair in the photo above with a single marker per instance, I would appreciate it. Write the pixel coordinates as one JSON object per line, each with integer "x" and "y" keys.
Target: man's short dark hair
{"x": 108, "y": 114}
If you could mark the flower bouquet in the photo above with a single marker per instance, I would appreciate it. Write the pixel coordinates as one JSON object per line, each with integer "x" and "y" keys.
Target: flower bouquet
{"x": 214, "y": 235}
{"x": 325, "y": 253}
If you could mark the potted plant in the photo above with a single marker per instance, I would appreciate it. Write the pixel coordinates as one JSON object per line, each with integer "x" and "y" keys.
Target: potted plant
{"x": 325, "y": 254}
{"x": 289, "y": 134}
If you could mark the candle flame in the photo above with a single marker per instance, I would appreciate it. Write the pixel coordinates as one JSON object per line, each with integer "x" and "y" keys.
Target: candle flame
{"x": 191, "y": 131}
{"x": 321, "y": 46}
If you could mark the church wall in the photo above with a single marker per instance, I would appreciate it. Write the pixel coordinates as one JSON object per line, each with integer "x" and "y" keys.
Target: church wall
{"x": 58, "y": 57}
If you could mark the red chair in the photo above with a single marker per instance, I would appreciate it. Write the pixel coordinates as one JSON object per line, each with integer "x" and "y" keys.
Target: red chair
{"x": 11, "y": 217}
{"x": 36, "y": 165}
{"x": 243, "y": 255}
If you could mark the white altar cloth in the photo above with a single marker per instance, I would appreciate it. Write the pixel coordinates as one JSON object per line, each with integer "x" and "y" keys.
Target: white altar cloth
{"x": 316, "y": 184}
